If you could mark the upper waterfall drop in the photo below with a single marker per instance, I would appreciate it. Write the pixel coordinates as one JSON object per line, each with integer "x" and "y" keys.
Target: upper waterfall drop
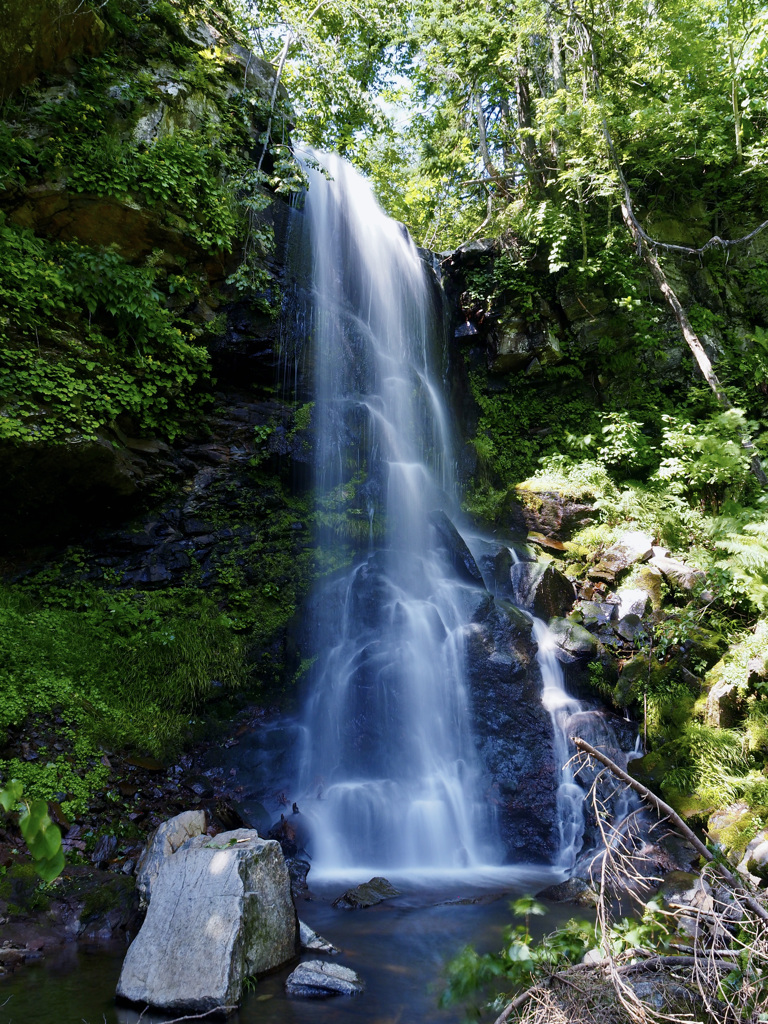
{"x": 389, "y": 771}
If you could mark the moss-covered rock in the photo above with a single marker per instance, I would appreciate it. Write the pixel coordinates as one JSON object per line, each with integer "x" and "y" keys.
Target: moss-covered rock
{"x": 573, "y": 641}
{"x": 39, "y": 36}
{"x": 732, "y": 828}
{"x": 127, "y": 190}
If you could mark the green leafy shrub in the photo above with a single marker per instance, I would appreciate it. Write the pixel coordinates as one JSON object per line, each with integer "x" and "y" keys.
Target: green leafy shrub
{"x": 522, "y": 961}
{"x": 125, "y": 669}
{"x": 85, "y": 338}
{"x": 708, "y": 458}
{"x": 711, "y": 764}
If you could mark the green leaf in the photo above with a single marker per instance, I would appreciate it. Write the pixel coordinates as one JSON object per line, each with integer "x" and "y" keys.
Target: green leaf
{"x": 50, "y": 868}
{"x": 34, "y": 820}
{"x": 11, "y": 795}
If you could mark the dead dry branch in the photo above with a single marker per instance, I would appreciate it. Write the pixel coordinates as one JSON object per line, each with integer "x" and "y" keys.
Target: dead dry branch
{"x": 709, "y": 965}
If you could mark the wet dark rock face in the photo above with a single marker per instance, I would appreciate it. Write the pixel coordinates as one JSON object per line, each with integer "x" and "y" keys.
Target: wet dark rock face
{"x": 513, "y": 731}
{"x": 457, "y": 551}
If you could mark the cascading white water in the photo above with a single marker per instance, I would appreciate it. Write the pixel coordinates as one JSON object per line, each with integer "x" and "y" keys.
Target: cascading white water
{"x": 571, "y": 717}
{"x": 389, "y": 771}
{"x": 561, "y": 707}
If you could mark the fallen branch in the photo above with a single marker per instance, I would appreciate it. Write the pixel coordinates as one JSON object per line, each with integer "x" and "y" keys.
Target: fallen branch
{"x": 218, "y": 1010}
{"x": 654, "y": 962}
{"x": 668, "y": 812}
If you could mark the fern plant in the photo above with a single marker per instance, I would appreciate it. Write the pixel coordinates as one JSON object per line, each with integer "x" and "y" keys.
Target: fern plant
{"x": 745, "y": 559}
{"x": 711, "y": 763}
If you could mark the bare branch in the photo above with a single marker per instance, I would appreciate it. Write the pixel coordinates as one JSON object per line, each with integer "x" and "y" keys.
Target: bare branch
{"x": 668, "y": 812}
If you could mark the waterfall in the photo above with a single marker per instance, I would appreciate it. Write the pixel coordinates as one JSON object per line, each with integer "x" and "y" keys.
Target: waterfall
{"x": 389, "y": 774}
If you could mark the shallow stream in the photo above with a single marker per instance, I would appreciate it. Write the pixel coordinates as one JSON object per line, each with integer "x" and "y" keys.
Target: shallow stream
{"x": 399, "y": 948}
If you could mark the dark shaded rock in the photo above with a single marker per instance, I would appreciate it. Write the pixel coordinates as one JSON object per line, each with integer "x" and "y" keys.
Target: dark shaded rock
{"x": 12, "y": 958}
{"x": 298, "y": 869}
{"x": 540, "y": 588}
{"x": 606, "y": 731}
{"x": 630, "y": 627}
{"x": 37, "y": 37}
{"x": 230, "y": 816}
{"x": 104, "y": 851}
{"x": 552, "y": 514}
{"x": 726, "y": 702}
{"x": 514, "y": 344}
{"x": 318, "y": 979}
{"x": 369, "y": 592}
{"x": 368, "y": 894}
{"x": 496, "y": 567}
{"x": 284, "y": 832}
{"x": 199, "y": 785}
{"x": 513, "y": 731}
{"x": 574, "y": 643}
{"x": 574, "y": 890}
{"x": 458, "y": 553}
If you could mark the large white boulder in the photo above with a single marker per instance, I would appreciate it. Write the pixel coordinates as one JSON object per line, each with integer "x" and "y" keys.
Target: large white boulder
{"x": 163, "y": 843}
{"x": 221, "y": 911}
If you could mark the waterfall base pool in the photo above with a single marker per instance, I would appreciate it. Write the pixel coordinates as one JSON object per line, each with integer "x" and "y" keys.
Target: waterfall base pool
{"x": 399, "y": 948}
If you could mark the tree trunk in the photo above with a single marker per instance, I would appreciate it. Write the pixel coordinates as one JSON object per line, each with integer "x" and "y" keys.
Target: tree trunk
{"x": 527, "y": 146}
{"x": 491, "y": 169}
{"x": 689, "y": 334}
{"x": 674, "y": 304}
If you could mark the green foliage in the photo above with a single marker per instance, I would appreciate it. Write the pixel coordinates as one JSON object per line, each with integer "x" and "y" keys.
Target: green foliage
{"x": 121, "y": 669}
{"x": 522, "y": 961}
{"x": 742, "y": 546}
{"x": 665, "y": 80}
{"x": 707, "y": 459}
{"x": 42, "y": 837}
{"x": 339, "y": 58}
{"x": 625, "y": 449}
{"x": 710, "y": 764}
{"x": 579, "y": 480}
{"x": 90, "y": 338}
{"x": 85, "y": 338}
{"x": 506, "y": 440}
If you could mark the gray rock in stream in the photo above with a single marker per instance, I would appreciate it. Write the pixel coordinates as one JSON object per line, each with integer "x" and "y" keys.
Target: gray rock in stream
{"x": 221, "y": 911}
{"x": 318, "y": 979}
{"x": 368, "y": 894}
{"x": 311, "y": 940}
